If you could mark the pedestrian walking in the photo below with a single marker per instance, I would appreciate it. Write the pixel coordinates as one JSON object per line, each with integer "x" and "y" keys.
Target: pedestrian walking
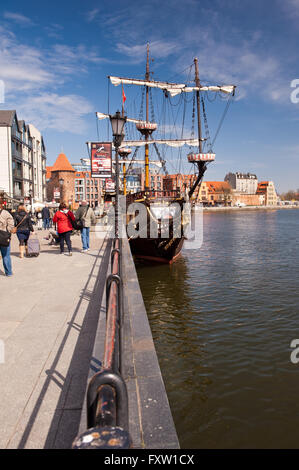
{"x": 23, "y": 227}
{"x": 63, "y": 218}
{"x": 46, "y": 217}
{"x": 6, "y": 226}
{"x": 86, "y": 216}
{"x": 39, "y": 219}
{"x": 51, "y": 210}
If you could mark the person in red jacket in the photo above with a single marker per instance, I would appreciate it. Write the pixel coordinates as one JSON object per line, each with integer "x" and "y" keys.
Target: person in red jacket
{"x": 63, "y": 218}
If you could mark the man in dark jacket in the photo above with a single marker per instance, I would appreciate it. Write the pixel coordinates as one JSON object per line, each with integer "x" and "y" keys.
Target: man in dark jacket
{"x": 46, "y": 217}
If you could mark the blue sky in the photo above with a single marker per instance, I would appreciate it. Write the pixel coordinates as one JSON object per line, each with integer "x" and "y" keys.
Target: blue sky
{"x": 55, "y": 58}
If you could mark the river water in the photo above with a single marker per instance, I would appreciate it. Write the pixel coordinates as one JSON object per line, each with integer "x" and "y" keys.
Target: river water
{"x": 223, "y": 317}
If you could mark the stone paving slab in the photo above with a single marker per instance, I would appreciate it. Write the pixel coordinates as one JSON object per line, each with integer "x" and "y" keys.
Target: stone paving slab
{"x": 49, "y": 311}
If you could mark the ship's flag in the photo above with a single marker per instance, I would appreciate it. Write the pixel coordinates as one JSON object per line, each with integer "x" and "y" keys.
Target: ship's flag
{"x": 124, "y": 96}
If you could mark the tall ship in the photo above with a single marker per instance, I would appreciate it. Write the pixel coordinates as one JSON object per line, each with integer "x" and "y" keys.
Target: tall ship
{"x": 161, "y": 238}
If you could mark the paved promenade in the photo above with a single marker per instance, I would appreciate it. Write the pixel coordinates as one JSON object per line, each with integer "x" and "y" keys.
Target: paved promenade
{"x": 48, "y": 317}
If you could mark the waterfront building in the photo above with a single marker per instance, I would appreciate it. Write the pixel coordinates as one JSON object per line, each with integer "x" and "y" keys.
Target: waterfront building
{"x": 87, "y": 188}
{"x": 242, "y": 182}
{"x": 266, "y": 191}
{"x": 180, "y": 182}
{"x": 22, "y": 159}
{"x": 215, "y": 193}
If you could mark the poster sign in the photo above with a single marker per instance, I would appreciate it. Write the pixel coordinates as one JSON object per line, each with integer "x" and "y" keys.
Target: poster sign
{"x": 56, "y": 193}
{"x": 109, "y": 185}
{"x": 101, "y": 159}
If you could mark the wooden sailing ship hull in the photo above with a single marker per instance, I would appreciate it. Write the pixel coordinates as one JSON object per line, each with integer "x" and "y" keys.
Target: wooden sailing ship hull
{"x": 160, "y": 249}
{"x": 156, "y": 250}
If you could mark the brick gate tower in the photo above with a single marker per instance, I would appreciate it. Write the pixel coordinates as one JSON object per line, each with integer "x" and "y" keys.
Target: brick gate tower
{"x": 62, "y": 170}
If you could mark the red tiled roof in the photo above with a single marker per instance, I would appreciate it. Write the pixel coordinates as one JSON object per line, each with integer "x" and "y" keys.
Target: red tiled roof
{"x": 62, "y": 164}
{"x": 49, "y": 172}
{"x": 218, "y": 186}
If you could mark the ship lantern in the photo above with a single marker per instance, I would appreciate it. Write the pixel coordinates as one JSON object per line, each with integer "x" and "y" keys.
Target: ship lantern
{"x": 146, "y": 128}
{"x": 201, "y": 157}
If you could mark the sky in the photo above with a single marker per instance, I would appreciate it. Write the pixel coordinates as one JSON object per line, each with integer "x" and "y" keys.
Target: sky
{"x": 55, "y": 58}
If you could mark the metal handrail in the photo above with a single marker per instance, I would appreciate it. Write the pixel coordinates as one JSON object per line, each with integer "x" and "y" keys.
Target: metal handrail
{"x": 107, "y": 397}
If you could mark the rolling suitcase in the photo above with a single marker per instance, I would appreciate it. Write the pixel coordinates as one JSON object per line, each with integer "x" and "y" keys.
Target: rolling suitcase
{"x": 33, "y": 247}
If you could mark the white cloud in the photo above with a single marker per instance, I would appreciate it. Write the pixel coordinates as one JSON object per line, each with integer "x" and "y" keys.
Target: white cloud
{"x": 159, "y": 49}
{"x": 291, "y": 7}
{"x": 18, "y": 18}
{"x": 32, "y": 69}
{"x": 32, "y": 79}
{"x": 92, "y": 14}
{"x": 52, "y": 111}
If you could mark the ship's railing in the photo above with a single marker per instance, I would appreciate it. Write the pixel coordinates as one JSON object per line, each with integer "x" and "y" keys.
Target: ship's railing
{"x": 154, "y": 194}
{"x": 107, "y": 398}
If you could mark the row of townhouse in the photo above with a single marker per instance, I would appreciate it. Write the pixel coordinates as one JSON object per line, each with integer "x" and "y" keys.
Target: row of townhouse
{"x": 22, "y": 159}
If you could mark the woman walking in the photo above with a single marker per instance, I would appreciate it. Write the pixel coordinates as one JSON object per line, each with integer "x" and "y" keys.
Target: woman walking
{"x": 63, "y": 218}
{"x": 6, "y": 225}
{"x": 24, "y": 227}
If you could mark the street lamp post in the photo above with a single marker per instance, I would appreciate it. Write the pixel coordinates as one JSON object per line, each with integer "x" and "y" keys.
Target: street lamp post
{"x": 30, "y": 198}
{"x": 61, "y": 181}
{"x": 117, "y": 123}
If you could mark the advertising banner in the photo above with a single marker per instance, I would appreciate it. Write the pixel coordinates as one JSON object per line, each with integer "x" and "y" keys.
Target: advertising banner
{"x": 56, "y": 194}
{"x": 101, "y": 159}
{"x": 109, "y": 185}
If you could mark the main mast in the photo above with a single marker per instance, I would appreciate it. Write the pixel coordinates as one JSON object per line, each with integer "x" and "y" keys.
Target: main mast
{"x": 146, "y": 157}
{"x": 197, "y": 83}
{"x": 200, "y": 164}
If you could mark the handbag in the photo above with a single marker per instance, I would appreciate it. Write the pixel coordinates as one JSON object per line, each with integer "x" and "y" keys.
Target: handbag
{"x": 4, "y": 238}
{"x": 14, "y": 230}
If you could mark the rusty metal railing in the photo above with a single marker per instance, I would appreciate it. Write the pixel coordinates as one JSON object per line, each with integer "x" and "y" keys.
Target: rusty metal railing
{"x": 107, "y": 399}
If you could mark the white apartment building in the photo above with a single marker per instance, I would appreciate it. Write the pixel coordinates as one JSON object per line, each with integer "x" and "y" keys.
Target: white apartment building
{"x": 22, "y": 159}
{"x": 242, "y": 182}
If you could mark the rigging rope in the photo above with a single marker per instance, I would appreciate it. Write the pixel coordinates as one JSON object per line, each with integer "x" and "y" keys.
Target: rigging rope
{"x": 208, "y": 141}
{"x": 229, "y": 101}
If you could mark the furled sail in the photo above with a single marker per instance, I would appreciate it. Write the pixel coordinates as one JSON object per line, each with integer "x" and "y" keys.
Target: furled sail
{"x": 140, "y": 143}
{"x": 172, "y": 88}
{"x": 170, "y": 143}
{"x": 101, "y": 116}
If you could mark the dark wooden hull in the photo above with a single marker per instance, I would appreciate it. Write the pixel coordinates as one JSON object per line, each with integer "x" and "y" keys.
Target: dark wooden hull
{"x": 157, "y": 250}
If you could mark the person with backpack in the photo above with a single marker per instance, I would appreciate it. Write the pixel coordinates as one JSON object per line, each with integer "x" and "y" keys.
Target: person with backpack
{"x": 6, "y": 226}
{"x": 64, "y": 218}
{"x": 85, "y": 216}
{"x": 23, "y": 227}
